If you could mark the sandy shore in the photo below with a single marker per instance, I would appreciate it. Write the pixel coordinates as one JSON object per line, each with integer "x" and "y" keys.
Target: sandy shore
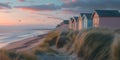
{"x": 25, "y": 44}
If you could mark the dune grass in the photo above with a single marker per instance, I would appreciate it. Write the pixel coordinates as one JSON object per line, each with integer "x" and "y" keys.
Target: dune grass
{"x": 95, "y": 45}
{"x": 72, "y": 37}
{"x": 44, "y": 46}
{"x": 48, "y": 51}
{"x": 3, "y": 55}
{"x": 12, "y": 55}
{"x": 26, "y": 56}
{"x": 52, "y": 37}
{"x": 115, "y": 48}
{"x": 117, "y": 31}
{"x": 63, "y": 39}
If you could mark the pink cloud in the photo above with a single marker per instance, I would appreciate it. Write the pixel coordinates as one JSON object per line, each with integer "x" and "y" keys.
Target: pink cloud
{"x": 74, "y": 0}
{"x": 66, "y": 1}
{"x": 46, "y": 7}
{"x": 21, "y": 0}
{"x": 68, "y": 12}
{"x": 32, "y": 9}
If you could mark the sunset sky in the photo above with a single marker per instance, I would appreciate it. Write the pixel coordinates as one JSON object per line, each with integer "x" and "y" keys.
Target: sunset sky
{"x": 47, "y": 13}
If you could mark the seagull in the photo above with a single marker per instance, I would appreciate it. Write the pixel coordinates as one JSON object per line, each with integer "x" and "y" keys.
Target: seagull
{"x": 19, "y": 20}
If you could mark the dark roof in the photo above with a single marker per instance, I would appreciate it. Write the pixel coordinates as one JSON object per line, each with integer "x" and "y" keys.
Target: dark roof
{"x": 108, "y": 13}
{"x": 72, "y": 20}
{"x": 81, "y": 14}
{"x": 66, "y": 21}
{"x": 88, "y": 15}
{"x": 76, "y": 18}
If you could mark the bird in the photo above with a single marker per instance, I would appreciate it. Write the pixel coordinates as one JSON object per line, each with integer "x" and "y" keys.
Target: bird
{"x": 19, "y": 20}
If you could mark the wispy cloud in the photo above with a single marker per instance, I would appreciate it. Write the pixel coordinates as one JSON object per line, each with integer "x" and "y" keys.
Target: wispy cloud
{"x": 21, "y": 0}
{"x": 93, "y": 4}
{"x": 69, "y": 11}
{"x": 4, "y": 6}
{"x": 74, "y": 0}
{"x": 56, "y": 18}
{"x": 46, "y": 7}
{"x": 66, "y": 1}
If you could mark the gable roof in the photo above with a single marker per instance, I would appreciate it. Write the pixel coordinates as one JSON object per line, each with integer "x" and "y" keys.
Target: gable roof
{"x": 88, "y": 15}
{"x": 108, "y": 13}
{"x": 71, "y": 19}
{"x": 81, "y": 14}
{"x": 76, "y": 18}
{"x": 66, "y": 21}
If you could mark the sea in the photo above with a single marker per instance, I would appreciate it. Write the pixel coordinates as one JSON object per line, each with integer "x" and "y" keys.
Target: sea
{"x": 9, "y": 36}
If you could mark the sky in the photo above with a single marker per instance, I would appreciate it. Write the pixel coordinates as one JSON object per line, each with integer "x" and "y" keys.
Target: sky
{"x": 47, "y": 13}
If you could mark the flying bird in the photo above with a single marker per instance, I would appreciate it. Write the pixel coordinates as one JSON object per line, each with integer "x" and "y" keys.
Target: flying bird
{"x": 19, "y": 20}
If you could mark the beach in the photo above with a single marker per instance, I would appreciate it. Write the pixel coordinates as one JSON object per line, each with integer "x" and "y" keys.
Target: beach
{"x": 25, "y": 44}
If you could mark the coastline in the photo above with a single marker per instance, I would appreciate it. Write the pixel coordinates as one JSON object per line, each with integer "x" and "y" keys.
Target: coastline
{"x": 25, "y": 44}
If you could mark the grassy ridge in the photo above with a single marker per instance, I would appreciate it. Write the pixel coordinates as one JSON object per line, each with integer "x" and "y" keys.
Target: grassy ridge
{"x": 95, "y": 45}
{"x": 98, "y": 44}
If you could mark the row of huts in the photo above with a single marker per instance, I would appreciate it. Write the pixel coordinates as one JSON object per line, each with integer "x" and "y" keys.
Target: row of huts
{"x": 99, "y": 18}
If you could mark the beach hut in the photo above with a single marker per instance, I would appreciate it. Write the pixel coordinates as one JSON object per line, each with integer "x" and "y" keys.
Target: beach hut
{"x": 71, "y": 24}
{"x": 106, "y": 19}
{"x": 87, "y": 20}
{"x": 75, "y": 23}
{"x": 80, "y": 22}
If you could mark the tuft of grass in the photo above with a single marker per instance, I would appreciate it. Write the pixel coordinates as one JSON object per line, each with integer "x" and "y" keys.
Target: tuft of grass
{"x": 44, "y": 50}
{"x": 44, "y": 46}
{"x": 4, "y": 56}
{"x": 115, "y": 48}
{"x": 12, "y": 55}
{"x": 72, "y": 37}
{"x": 62, "y": 40}
{"x": 26, "y": 56}
{"x": 95, "y": 45}
{"x": 76, "y": 43}
{"x": 117, "y": 31}
{"x": 52, "y": 37}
